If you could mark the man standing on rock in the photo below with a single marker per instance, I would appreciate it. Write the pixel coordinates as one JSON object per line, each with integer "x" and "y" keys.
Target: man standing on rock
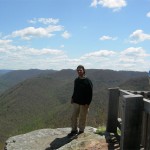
{"x": 81, "y": 99}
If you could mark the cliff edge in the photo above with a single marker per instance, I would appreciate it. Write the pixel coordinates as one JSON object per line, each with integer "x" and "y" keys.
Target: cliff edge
{"x": 52, "y": 139}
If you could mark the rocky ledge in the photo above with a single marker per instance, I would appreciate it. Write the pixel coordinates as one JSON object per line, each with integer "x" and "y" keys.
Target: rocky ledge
{"x": 52, "y": 139}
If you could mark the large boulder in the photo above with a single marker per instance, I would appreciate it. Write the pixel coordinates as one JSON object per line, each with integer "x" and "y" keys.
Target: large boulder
{"x": 52, "y": 139}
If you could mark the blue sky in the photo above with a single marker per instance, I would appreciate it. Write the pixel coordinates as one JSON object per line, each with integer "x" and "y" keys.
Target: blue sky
{"x": 61, "y": 34}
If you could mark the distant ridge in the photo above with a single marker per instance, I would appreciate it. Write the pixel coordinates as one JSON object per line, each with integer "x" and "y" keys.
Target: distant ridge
{"x": 3, "y": 71}
{"x": 10, "y": 78}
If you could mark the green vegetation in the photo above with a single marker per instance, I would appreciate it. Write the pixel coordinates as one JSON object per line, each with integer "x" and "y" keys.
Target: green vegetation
{"x": 43, "y": 100}
{"x": 101, "y": 130}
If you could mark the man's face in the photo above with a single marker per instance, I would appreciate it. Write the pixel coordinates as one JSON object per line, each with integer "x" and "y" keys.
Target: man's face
{"x": 80, "y": 72}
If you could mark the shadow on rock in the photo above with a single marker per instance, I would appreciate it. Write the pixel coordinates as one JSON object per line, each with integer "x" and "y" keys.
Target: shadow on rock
{"x": 59, "y": 142}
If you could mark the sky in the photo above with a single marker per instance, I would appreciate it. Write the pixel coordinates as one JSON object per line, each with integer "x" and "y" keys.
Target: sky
{"x": 62, "y": 34}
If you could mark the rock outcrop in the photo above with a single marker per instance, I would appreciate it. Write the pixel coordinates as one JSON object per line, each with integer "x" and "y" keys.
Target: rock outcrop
{"x": 52, "y": 139}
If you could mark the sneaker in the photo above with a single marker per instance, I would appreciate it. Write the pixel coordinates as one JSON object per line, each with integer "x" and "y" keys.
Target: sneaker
{"x": 72, "y": 133}
{"x": 80, "y": 132}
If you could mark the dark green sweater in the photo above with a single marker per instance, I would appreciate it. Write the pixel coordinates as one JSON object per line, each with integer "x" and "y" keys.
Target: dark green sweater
{"x": 83, "y": 91}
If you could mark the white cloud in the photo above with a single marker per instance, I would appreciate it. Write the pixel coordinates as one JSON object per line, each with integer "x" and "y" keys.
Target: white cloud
{"x": 98, "y": 54}
{"x": 44, "y": 20}
{"x": 148, "y": 14}
{"x": 127, "y": 60}
{"x": 133, "y": 58}
{"x": 23, "y": 57}
{"x": 44, "y": 51}
{"x": 4, "y": 46}
{"x": 94, "y": 3}
{"x": 32, "y": 32}
{"x": 134, "y": 52}
{"x": 139, "y": 36}
{"x": 66, "y": 35}
{"x": 5, "y": 42}
{"x": 98, "y": 59}
{"x": 54, "y": 28}
{"x": 105, "y": 37}
{"x": 112, "y": 4}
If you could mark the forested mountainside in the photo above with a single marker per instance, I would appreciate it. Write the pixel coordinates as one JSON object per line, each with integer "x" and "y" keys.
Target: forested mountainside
{"x": 9, "y": 78}
{"x": 140, "y": 84}
{"x": 3, "y": 71}
{"x": 43, "y": 100}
